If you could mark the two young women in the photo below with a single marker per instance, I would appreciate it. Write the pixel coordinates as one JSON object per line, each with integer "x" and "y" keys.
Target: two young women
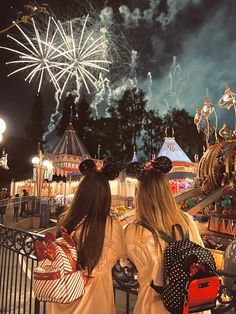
{"x": 101, "y": 241}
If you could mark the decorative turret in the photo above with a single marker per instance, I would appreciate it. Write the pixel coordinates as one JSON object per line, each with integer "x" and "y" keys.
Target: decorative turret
{"x": 134, "y": 159}
{"x": 70, "y": 144}
{"x": 68, "y": 153}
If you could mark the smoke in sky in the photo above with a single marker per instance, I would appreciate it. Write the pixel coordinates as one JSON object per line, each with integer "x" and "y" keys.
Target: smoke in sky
{"x": 178, "y": 51}
{"x": 187, "y": 60}
{"x": 206, "y": 64}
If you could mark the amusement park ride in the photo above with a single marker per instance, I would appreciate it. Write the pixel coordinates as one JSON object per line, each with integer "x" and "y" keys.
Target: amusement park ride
{"x": 216, "y": 175}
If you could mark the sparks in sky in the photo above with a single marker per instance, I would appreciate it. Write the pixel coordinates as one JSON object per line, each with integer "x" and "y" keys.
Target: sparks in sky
{"x": 62, "y": 52}
{"x": 34, "y": 56}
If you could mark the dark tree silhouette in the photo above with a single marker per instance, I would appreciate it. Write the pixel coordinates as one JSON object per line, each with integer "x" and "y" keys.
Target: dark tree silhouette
{"x": 153, "y": 132}
{"x": 34, "y": 128}
{"x": 20, "y": 152}
{"x": 80, "y": 115}
{"x": 128, "y": 115}
{"x": 68, "y": 103}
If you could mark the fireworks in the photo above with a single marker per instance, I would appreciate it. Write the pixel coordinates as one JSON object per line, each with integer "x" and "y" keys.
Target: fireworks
{"x": 63, "y": 53}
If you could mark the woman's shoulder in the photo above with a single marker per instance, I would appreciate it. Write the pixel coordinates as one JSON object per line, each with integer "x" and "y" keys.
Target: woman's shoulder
{"x": 113, "y": 224}
{"x": 193, "y": 228}
{"x": 190, "y": 221}
{"x": 136, "y": 230}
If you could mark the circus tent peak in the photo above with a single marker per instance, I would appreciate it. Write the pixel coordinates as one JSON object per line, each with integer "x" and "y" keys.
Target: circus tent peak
{"x": 173, "y": 151}
{"x": 70, "y": 144}
{"x": 135, "y": 158}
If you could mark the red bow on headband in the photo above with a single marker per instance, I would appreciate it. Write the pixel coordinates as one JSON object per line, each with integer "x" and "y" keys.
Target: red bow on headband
{"x": 149, "y": 165}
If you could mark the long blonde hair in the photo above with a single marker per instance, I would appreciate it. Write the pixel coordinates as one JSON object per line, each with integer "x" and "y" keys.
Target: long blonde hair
{"x": 156, "y": 206}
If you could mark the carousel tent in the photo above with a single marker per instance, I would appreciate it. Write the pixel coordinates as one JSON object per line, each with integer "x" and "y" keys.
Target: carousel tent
{"x": 70, "y": 144}
{"x": 173, "y": 151}
{"x": 68, "y": 153}
{"x": 183, "y": 171}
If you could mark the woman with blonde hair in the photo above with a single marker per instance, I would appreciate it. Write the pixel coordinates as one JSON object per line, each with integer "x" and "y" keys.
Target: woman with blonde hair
{"x": 99, "y": 240}
{"x": 156, "y": 209}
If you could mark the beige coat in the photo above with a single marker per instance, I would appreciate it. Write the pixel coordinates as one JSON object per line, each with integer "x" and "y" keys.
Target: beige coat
{"x": 148, "y": 258}
{"x": 98, "y": 297}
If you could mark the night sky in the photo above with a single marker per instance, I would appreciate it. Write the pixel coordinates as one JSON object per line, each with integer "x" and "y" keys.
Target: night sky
{"x": 188, "y": 47}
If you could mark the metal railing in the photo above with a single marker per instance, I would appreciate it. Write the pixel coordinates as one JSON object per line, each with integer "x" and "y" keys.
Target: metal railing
{"x": 14, "y": 206}
{"x": 17, "y": 261}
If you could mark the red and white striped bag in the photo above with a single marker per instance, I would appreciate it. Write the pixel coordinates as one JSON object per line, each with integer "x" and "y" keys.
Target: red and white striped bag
{"x": 56, "y": 278}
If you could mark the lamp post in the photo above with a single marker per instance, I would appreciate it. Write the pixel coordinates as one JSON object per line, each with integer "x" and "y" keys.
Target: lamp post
{"x": 3, "y": 159}
{"x": 2, "y": 127}
{"x": 42, "y": 170}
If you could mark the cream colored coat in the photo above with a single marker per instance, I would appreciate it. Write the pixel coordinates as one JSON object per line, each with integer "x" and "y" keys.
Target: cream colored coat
{"x": 98, "y": 297}
{"x": 148, "y": 258}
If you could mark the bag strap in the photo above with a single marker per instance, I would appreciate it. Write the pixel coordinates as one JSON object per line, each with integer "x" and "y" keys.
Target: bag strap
{"x": 184, "y": 236}
{"x": 69, "y": 256}
{"x": 161, "y": 234}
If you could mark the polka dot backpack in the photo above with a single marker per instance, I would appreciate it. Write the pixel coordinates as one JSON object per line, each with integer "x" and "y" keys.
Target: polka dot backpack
{"x": 190, "y": 283}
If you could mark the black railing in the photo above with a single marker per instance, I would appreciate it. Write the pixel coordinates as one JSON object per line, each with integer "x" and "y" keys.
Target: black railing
{"x": 12, "y": 208}
{"x": 17, "y": 261}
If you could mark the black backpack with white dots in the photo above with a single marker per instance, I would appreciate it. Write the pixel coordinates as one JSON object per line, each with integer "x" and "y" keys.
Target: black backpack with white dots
{"x": 190, "y": 283}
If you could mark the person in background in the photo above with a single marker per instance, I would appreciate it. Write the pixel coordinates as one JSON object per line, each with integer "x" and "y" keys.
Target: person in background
{"x": 99, "y": 240}
{"x": 156, "y": 208}
{"x": 3, "y": 203}
{"x": 24, "y": 203}
{"x": 16, "y": 205}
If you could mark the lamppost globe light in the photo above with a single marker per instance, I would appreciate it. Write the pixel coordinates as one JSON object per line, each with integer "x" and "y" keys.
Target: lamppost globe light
{"x": 50, "y": 166}
{"x": 2, "y": 126}
{"x": 46, "y": 163}
{"x": 35, "y": 160}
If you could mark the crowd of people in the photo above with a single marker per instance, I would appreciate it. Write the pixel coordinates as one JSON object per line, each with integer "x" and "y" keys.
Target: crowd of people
{"x": 19, "y": 202}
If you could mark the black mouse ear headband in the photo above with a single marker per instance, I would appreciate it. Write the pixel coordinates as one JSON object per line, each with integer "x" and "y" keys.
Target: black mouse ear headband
{"x": 138, "y": 170}
{"x": 109, "y": 170}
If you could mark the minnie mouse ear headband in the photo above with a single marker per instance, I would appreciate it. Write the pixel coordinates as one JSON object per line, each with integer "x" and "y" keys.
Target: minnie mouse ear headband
{"x": 138, "y": 170}
{"x": 110, "y": 171}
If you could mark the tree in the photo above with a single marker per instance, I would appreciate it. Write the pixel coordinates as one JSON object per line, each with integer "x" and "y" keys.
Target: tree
{"x": 34, "y": 128}
{"x": 153, "y": 130}
{"x": 185, "y": 131}
{"x": 128, "y": 115}
{"x": 84, "y": 120}
{"x": 66, "y": 114}
{"x": 80, "y": 115}
{"x": 20, "y": 152}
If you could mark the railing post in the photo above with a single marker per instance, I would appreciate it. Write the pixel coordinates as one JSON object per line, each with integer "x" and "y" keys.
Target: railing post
{"x": 17, "y": 262}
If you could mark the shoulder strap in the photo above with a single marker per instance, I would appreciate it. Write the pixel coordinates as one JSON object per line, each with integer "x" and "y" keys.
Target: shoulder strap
{"x": 164, "y": 236}
{"x": 175, "y": 227}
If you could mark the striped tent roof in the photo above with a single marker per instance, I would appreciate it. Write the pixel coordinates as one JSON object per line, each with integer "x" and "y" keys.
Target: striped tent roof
{"x": 70, "y": 144}
{"x": 172, "y": 150}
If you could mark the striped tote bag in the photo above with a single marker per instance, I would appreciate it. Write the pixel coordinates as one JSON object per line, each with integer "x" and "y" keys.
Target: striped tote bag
{"x": 56, "y": 278}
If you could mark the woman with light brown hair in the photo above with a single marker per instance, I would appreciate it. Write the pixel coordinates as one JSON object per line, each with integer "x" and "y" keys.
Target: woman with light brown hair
{"x": 156, "y": 209}
{"x": 98, "y": 238}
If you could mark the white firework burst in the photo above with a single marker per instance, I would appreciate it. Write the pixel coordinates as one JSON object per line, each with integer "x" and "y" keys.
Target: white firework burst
{"x": 63, "y": 53}
{"x": 35, "y": 56}
{"x": 83, "y": 55}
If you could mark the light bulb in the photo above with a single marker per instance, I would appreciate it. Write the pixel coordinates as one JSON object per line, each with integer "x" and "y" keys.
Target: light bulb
{"x": 35, "y": 160}
{"x": 46, "y": 163}
{"x": 2, "y": 126}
